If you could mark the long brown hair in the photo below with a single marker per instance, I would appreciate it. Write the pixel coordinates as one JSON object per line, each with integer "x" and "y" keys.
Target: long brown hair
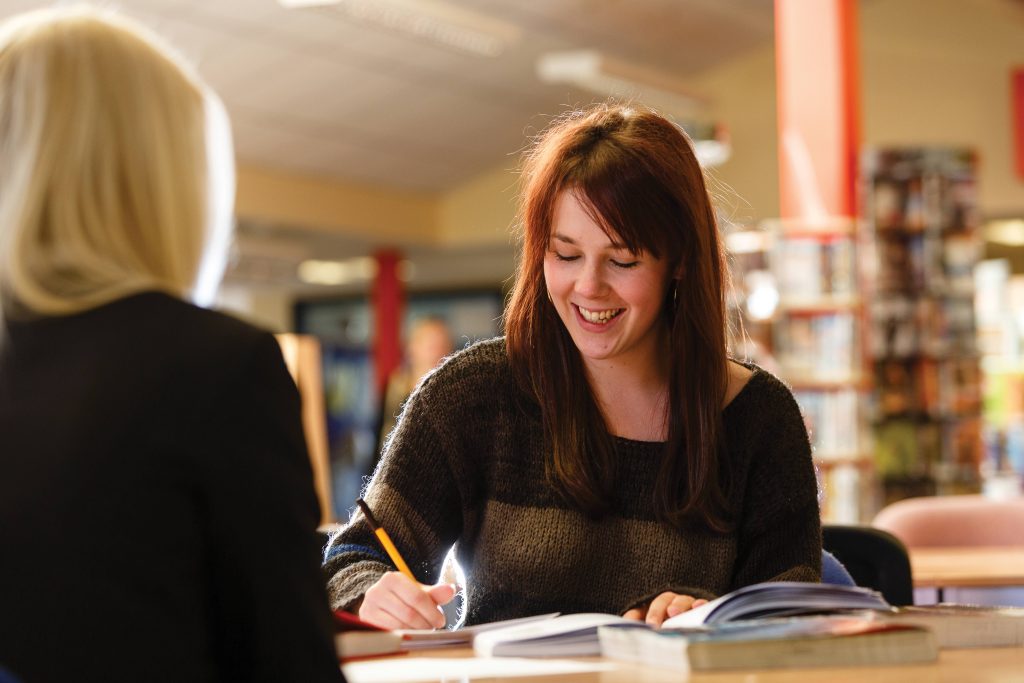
{"x": 637, "y": 172}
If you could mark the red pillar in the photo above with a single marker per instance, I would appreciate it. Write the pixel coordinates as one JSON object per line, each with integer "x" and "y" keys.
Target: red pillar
{"x": 388, "y": 299}
{"x": 818, "y": 109}
{"x": 1017, "y": 94}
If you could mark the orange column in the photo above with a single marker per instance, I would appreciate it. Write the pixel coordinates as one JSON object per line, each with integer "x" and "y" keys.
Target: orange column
{"x": 818, "y": 108}
{"x": 388, "y": 299}
{"x": 1017, "y": 96}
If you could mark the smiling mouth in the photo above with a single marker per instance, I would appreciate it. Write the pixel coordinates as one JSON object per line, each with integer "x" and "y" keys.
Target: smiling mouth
{"x": 599, "y": 317}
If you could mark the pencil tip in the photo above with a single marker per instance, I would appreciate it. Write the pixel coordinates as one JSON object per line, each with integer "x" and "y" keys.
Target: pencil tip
{"x": 366, "y": 511}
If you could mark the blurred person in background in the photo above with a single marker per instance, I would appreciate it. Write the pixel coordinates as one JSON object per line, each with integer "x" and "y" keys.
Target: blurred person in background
{"x": 148, "y": 447}
{"x": 429, "y": 342}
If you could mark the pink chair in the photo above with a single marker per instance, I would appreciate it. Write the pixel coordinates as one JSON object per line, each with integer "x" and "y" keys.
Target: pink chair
{"x": 966, "y": 520}
{"x": 954, "y": 521}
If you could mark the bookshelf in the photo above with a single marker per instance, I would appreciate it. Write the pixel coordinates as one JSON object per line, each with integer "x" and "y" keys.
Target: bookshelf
{"x": 999, "y": 311}
{"x": 922, "y": 228}
{"x": 817, "y": 338}
{"x": 812, "y": 339}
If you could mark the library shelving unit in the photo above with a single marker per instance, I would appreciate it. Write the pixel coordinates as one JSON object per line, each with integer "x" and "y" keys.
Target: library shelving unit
{"x": 999, "y": 315}
{"x": 796, "y": 296}
{"x": 817, "y": 342}
{"x": 921, "y": 223}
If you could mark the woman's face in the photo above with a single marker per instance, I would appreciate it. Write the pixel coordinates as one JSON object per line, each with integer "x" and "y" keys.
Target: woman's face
{"x": 609, "y": 299}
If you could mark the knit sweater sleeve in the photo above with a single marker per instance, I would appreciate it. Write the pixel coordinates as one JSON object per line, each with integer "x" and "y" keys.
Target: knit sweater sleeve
{"x": 413, "y": 494}
{"x": 779, "y": 530}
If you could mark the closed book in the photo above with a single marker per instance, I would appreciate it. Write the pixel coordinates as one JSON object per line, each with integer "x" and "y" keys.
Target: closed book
{"x": 961, "y": 626}
{"x": 568, "y": 635}
{"x": 356, "y": 644}
{"x": 773, "y": 643}
{"x": 354, "y": 638}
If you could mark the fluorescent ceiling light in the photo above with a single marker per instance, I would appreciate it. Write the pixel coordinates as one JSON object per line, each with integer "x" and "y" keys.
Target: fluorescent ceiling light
{"x": 437, "y": 21}
{"x": 597, "y": 73}
{"x": 748, "y": 241}
{"x": 1008, "y": 232}
{"x": 712, "y": 152}
{"x": 593, "y": 71}
{"x": 317, "y": 272}
{"x": 348, "y": 271}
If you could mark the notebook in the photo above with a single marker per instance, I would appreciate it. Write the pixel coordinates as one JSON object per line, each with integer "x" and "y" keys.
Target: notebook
{"x": 357, "y": 638}
{"x": 568, "y": 635}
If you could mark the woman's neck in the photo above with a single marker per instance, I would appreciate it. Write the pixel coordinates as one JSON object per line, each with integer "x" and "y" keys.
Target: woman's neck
{"x": 633, "y": 397}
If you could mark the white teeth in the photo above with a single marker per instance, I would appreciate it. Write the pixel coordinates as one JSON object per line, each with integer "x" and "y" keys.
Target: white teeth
{"x": 599, "y": 317}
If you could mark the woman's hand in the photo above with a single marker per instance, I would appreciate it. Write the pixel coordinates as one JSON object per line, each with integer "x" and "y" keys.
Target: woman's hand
{"x": 396, "y": 601}
{"x": 666, "y": 605}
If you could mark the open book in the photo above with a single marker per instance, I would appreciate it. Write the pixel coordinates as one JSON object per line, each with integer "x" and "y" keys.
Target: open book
{"x": 779, "y": 599}
{"x": 836, "y": 640}
{"x": 576, "y": 634}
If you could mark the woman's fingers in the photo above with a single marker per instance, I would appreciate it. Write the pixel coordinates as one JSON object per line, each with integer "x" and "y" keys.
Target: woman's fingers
{"x": 396, "y": 601}
{"x": 636, "y": 614}
{"x": 656, "y": 611}
{"x": 442, "y": 593}
{"x": 667, "y": 605}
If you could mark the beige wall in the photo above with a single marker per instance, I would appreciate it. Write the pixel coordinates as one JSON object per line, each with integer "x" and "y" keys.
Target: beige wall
{"x": 480, "y": 212}
{"x": 382, "y": 214}
{"x": 933, "y": 72}
{"x": 946, "y": 81}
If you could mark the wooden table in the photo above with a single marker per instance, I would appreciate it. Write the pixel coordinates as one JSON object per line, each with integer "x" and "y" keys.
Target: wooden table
{"x": 963, "y": 567}
{"x": 996, "y": 665}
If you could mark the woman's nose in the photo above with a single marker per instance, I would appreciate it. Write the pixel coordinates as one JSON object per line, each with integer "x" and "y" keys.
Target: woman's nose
{"x": 591, "y": 283}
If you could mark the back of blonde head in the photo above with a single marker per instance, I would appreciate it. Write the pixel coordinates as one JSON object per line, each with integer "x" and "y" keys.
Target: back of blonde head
{"x": 102, "y": 163}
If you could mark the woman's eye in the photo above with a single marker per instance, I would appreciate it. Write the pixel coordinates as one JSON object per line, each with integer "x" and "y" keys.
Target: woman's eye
{"x": 560, "y": 257}
{"x": 625, "y": 264}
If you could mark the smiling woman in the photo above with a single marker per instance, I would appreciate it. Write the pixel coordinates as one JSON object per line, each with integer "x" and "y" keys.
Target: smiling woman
{"x": 606, "y": 456}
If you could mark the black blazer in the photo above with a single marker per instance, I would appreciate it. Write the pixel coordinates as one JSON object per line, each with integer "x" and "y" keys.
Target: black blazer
{"x": 157, "y": 513}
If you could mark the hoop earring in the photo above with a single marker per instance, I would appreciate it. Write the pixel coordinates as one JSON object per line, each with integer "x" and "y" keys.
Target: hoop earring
{"x": 675, "y": 292}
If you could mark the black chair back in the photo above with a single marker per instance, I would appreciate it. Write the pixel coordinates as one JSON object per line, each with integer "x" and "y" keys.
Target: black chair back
{"x": 875, "y": 559}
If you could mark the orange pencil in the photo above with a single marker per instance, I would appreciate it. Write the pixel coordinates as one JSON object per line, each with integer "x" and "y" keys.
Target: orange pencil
{"x": 385, "y": 540}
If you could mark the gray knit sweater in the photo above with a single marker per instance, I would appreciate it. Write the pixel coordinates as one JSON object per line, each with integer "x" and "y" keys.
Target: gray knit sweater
{"x": 464, "y": 467}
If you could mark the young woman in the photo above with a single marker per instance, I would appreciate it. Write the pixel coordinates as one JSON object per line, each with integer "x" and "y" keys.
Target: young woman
{"x": 606, "y": 455}
{"x": 147, "y": 446}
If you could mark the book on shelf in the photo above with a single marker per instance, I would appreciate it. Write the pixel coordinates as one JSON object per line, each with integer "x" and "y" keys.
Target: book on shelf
{"x": 577, "y": 634}
{"x": 821, "y": 345}
{"x": 963, "y": 626}
{"x": 774, "y": 643}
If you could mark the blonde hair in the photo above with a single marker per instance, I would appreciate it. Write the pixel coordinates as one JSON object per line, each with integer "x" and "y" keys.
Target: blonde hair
{"x": 103, "y": 162}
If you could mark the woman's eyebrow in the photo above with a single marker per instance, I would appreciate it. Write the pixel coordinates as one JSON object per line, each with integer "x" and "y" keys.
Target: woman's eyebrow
{"x": 616, "y": 246}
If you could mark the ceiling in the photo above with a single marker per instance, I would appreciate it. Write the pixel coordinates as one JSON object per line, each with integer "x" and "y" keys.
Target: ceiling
{"x": 320, "y": 91}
